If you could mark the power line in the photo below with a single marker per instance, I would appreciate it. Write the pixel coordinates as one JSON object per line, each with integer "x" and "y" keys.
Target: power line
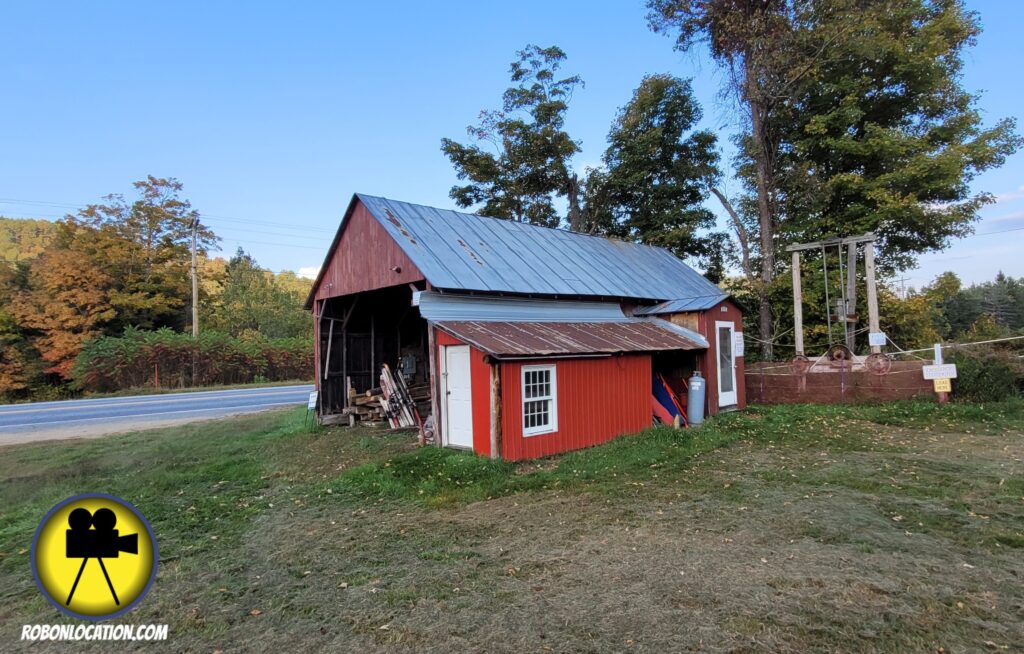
{"x": 213, "y": 216}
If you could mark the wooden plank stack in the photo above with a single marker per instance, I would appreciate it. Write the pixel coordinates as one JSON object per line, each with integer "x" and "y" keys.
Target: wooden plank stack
{"x": 367, "y": 407}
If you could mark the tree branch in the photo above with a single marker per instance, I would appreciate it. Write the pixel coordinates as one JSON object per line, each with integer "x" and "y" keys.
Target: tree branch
{"x": 741, "y": 233}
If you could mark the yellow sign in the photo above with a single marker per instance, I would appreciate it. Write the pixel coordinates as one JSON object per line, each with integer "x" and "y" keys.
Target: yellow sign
{"x": 94, "y": 556}
{"x": 943, "y": 385}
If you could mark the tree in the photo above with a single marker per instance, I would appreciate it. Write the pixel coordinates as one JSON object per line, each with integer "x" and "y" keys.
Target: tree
{"x": 23, "y": 238}
{"x": 884, "y": 138}
{"x": 253, "y": 302}
{"x": 657, "y": 173}
{"x": 16, "y": 371}
{"x": 852, "y": 119}
{"x": 64, "y": 303}
{"x": 144, "y": 248}
{"x": 529, "y": 167}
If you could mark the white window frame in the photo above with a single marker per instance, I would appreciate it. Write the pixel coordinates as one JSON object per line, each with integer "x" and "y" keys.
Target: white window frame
{"x": 552, "y": 400}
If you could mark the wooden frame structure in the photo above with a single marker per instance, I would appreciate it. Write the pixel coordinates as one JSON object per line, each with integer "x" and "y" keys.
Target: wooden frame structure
{"x": 848, "y": 302}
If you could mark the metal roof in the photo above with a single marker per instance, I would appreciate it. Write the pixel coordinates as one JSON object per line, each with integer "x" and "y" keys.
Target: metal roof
{"x": 440, "y": 307}
{"x": 463, "y": 251}
{"x": 677, "y": 306}
{"x": 503, "y": 339}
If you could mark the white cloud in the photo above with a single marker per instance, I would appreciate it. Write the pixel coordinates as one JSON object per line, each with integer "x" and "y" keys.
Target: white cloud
{"x": 1016, "y": 215}
{"x": 309, "y": 272}
{"x": 1011, "y": 196}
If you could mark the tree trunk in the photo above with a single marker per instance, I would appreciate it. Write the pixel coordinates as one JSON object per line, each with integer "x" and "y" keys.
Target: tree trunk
{"x": 765, "y": 223}
{"x": 575, "y": 212}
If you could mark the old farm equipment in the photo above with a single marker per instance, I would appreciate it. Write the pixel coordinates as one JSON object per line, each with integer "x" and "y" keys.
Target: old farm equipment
{"x": 840, "y": 356}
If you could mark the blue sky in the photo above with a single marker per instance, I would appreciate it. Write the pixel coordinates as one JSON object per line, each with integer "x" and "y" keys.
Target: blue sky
{"x": 273, "y": 114}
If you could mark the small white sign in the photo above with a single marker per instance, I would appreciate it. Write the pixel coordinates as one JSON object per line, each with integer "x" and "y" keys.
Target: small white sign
{"x": 941, "y": 371}
{"x": 416, "y": 298}
{"x": 737, "y": 344}
{"x": 876, "y": 339}
{"x": 312, "y": 401}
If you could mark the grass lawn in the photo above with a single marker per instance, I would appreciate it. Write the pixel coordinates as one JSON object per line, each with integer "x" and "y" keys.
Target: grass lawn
{"x": 878, "y": 528}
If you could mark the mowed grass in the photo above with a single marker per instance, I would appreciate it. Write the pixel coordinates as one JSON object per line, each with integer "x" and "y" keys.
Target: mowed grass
{"x": 893, "y": 527}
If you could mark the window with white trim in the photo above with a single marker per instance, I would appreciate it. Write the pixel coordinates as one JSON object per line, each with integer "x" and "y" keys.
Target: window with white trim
{"x": 540, "y": 409}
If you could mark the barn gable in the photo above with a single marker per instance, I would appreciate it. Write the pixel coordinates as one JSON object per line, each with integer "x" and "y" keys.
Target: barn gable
{"x": 362, "y": 257}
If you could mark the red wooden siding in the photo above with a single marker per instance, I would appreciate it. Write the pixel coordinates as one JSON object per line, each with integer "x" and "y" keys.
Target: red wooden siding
{"x": 364, "y": 259}
{"x": 725, "y": 311}
{"x": 598, "y": 399}
{"x": 480, "y": 381}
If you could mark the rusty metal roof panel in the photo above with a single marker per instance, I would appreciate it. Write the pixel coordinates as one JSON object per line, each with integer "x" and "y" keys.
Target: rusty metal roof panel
{"x": 540, "y": 339}
{"x": 463, "y": 251}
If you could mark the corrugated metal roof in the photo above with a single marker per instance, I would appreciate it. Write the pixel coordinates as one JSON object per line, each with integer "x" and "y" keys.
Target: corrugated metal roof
{"x": 677, "y": 306}
{"x": 538, "y": 339}
{"x": 440, "y": 307}
{"x": 464, "y": 251}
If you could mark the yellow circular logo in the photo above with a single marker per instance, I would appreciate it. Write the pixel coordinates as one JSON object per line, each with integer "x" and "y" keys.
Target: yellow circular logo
{"x": 94, "y": 556}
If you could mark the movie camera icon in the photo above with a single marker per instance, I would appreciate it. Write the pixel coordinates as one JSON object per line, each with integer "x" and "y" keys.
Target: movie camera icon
{"x": 100, "y": 542}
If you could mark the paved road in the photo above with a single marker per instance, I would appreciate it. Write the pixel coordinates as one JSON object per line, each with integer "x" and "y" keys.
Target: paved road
{"x": 21, "y": 423}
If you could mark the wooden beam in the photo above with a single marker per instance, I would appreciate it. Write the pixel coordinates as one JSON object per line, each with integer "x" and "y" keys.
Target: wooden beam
{"x": 348, "y": 314}
{"x": 434, "y": 382}
{"x": 798, "y": 306}
{"x": 869, "y": 272}
{"x": 327, "y": 356}
{"x": 851, "y": 293}
{"x": 832, "y": 242}
{"x": 495, "y": 410}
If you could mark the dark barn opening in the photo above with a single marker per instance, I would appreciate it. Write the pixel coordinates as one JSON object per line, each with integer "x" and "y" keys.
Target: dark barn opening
{"x": 361, "y": 332}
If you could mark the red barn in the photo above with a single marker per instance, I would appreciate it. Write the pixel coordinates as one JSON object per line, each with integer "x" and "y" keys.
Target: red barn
{"x": 532, "y": 340}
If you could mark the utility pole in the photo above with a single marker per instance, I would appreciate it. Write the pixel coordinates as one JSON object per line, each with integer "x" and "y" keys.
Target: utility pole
{"x": 195, "y": 281}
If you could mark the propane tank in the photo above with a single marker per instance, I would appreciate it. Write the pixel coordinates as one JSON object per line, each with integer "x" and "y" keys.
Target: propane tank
{"x": 695, "y": 399}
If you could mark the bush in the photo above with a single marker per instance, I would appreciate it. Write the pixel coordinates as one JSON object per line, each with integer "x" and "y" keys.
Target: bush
{"x": 169, "y": 359}
{"x": 986, "y": 375}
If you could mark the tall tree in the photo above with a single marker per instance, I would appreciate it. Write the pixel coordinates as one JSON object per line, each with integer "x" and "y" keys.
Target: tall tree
{"x": 884, "y": 138}
{"x": 143, "y": 246}
{"x": 852, "y": 118}
{"x": 657, "y": 172}
{"x": 529, "y": 166}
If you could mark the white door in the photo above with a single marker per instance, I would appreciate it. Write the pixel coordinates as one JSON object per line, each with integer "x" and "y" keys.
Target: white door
{"x": 726, "y": 363}
{"x": 458, "y": 404}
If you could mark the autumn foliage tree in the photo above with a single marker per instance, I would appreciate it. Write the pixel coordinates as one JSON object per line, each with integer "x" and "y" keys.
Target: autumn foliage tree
{"x": 64, "y": 304}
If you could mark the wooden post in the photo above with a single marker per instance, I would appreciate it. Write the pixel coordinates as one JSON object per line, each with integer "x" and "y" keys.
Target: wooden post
{"x": 344, "y": 349}
{"x": 373, "y": 350}
{"x": 851, "y": 293}
{"x": 434, "y": 382}
{"x": 327, "y": 356}
{"x": 938, "y": 360}
{"x": 344, "y": 362}
{"x": 869, "y": 272}
{"x": 798, "y": 306}
{"x": 495, "y": 410}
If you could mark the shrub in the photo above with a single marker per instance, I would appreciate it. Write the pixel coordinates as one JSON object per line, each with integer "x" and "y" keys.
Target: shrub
{"x": 169, "y": 359}
{"x": 986, "y": 375}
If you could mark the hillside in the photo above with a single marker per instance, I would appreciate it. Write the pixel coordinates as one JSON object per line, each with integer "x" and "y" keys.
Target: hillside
{"x": 24, "y": 238}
